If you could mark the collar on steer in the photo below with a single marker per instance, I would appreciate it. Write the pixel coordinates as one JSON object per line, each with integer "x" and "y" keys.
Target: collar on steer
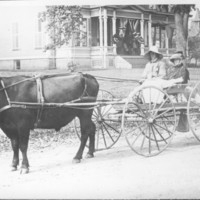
{"x": 7, "y": 98}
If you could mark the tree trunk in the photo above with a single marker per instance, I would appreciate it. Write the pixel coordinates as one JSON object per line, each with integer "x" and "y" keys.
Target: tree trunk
{"x": 181, "y": 32}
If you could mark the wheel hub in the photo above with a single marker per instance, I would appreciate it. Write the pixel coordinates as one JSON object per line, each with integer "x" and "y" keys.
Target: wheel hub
{"x": 150, "y": 120}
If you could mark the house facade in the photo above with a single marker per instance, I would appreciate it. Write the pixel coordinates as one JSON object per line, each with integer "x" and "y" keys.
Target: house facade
{"x": 23, "y": 37}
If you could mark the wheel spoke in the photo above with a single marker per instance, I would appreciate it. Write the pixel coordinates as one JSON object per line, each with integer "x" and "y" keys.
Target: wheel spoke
{"x": 164, "y": 129}
{"x": 97, "y": 142}
{"x": 108, "y": 132}
{"x": 162, "y": 113}
{"x": 155, "y": 138}
{"x": 149, "y": 140}
{"x": 159, "y": 134}
{"x": 103, "y": 136}
{"x": 138, "y": 127}
{"x": 141, "y": 133}
{"x": 158, "y": 109}
{"x": 112, "y": 127}
{"x": 144, "y": 137}
{"x": 95, "y": 114}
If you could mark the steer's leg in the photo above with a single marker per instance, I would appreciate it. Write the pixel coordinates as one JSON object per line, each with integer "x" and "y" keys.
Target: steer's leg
{"x": 23, "y": 146}
{"x": 15, "y": 147}
{"x": 91, "y": 132}
{"x": 85, "y": 123}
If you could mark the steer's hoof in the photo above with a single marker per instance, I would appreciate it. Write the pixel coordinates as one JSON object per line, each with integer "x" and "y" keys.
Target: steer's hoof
{"x": 89, "y": 156}
{"x": 75, "y": 160}
{"x": 13, "y": 168}
{"x": 24, "y": 171}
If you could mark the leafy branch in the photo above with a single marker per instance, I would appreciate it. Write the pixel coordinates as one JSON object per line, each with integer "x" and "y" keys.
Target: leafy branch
{"x": 62, "y": 23}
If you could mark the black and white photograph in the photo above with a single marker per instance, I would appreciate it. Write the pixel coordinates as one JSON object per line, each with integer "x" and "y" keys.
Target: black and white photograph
{"x": 99, "y": 100}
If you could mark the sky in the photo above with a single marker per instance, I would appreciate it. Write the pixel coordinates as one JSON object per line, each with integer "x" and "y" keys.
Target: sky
{"x": 93, "y": 2}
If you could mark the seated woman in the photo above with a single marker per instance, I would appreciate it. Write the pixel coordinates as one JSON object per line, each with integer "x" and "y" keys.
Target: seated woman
{"x": 155, "y": 67}
{"x": 157, "y": 74}
{"x": 176, "y": 73}
{"x": 177, "y": 70}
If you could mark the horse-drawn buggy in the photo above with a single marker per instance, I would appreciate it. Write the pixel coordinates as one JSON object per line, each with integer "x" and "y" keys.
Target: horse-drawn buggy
{"x": 148, "y": 117}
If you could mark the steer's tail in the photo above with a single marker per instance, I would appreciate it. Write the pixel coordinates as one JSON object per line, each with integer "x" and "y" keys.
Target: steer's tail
{"x": 92, "y": 85}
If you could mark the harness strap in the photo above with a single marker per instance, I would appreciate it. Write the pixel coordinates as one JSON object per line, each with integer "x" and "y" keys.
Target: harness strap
{"x": 7, "y": 98}
{"x": 40, "y": 99}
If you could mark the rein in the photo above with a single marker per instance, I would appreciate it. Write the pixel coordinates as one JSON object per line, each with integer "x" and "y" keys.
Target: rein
{"x": 85, "y": 96}
{"x": 103, "y": 78}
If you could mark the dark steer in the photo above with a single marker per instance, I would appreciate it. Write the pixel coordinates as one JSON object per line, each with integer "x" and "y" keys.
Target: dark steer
{"x": 37, "y": 102}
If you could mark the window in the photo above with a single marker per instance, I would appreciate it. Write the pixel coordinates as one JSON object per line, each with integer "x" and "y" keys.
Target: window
{"x": 38, "y": 35}
{"x": 17, "y": 64}
{"x": 158, "y": 35}
{"x": 95, "y": 31}
{"x": 110, "y": 33}
{"x": 15, "y": 36}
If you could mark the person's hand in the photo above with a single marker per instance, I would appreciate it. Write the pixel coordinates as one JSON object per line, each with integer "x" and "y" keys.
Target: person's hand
{"x": 116, "y": 40}
{"x": 178, "y": 80}
{"x": 141, "y": 81}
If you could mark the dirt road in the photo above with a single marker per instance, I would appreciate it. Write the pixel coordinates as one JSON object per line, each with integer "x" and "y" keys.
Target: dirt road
{"x": 115, "y": 173}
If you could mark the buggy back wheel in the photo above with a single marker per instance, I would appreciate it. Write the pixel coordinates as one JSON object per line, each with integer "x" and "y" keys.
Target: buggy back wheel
{"x": 108, "y": 128}
{"x": 149, "y": 120}
{"x": 193, "y": 111}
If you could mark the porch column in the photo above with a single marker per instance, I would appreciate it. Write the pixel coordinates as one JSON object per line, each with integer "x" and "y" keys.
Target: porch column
{"x": 105, "y": 30}
{"x": 105, "y": 48}
{"x": 88, "y": 32}
{"x": 114, "y": 30}
{"x": 142, "y": 32}
{"x": 100, "y": 31}
{"x": 146, "y": 33}
{"x": 149, "y": 29}
{"x": 166, "y": 40}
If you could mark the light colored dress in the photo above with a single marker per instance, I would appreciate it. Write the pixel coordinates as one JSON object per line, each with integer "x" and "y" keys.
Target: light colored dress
{"x": 153, "y": 69}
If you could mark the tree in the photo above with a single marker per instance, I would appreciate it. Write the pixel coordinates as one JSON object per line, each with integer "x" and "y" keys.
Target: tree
{"x": 181, "y": 16}
{"x": 62, "y": 23}
{"x": 194, "y": 48}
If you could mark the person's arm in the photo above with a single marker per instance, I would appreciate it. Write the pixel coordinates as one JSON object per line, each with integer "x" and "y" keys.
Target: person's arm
{"x": 146, "y": 71}
{"x": 162, "y": 69}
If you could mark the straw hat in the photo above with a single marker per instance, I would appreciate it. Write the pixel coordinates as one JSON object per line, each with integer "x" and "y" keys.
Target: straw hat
{"x": 155, "y": 50}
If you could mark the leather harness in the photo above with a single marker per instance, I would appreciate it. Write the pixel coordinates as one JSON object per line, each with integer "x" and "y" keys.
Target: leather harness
{"x": 40, "y": 97}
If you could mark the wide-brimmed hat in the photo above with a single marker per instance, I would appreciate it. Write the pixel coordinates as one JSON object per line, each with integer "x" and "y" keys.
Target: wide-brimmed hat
{"x": 155, "y": 50}
{"x": 176, "y": 56}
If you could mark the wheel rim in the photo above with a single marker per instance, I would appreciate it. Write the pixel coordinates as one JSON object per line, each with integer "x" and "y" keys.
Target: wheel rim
{"x": 193, "y": 111}
{"x": 108, "y": 128}
{"x": 151, "y": 121}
